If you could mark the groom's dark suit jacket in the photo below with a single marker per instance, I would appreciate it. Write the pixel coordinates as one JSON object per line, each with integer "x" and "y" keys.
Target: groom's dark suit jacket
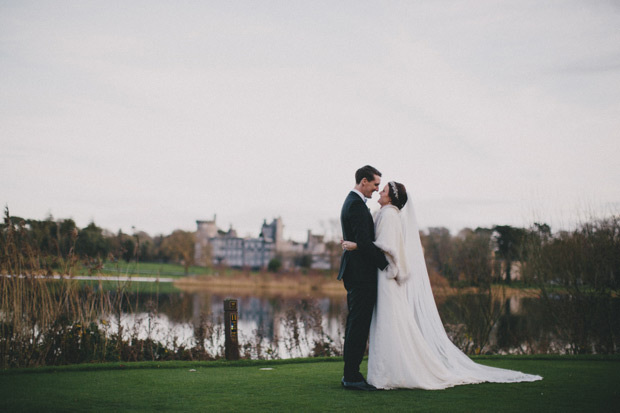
{"x": 359, "y": 266}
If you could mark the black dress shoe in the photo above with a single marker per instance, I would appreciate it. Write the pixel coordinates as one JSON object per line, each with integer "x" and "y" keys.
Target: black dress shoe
{"x": 358, "y": 385}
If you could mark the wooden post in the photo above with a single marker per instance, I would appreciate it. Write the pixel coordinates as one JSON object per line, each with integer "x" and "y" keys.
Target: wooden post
{"x": 231, "y": 343}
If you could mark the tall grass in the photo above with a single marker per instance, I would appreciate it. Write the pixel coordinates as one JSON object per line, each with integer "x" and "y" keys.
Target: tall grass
{"x": 44, "y": 321}
{"x": 49, "y": 322}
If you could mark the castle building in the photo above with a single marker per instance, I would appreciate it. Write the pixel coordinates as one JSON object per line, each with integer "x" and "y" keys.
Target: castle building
{"x": 216, "y": 247}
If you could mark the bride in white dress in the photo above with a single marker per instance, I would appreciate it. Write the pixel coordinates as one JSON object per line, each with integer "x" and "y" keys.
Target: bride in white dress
{"x": 408, "y": 345}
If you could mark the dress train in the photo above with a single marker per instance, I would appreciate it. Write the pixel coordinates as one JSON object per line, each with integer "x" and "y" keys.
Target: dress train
{"x": 409, "y": 347}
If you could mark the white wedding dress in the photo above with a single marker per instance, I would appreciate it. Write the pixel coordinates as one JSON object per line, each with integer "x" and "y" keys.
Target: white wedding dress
{"x": 408, "y": 345}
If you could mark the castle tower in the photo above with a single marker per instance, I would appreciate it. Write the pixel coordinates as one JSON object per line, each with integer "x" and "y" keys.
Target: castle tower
{"x": 204, "y": 231}
{"x": 279, "y": 234}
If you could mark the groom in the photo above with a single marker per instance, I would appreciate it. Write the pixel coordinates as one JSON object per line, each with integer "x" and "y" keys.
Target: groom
{"x": 358, "y": 269}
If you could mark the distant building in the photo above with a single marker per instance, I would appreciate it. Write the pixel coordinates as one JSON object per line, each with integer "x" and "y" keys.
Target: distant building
{"x": 273, "y": 232}
{"x": 232, "y": 251}
{"x": 216, "y": 247}
{"x": 316, "y": 248}
{"x": 202, "y": 250}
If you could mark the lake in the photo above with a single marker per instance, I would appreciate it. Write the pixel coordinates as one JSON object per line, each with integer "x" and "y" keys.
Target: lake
{"x": 276, "y": 326}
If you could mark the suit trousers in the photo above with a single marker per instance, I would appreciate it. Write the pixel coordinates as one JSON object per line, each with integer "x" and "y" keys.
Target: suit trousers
{"x": 361, "y": 301}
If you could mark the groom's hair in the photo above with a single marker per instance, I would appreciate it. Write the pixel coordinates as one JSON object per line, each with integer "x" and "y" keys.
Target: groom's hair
{"x": 367, "y": 172}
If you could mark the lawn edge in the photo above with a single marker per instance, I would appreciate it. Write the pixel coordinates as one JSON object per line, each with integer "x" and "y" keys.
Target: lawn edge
{"x": 176, "y": 364}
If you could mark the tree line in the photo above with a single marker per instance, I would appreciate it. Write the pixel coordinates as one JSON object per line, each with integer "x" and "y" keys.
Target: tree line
{"x": 52, "y": 241}
{"x": 587, "y": 256}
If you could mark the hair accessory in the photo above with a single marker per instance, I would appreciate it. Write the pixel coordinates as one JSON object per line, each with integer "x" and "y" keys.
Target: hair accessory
{"x": 394, "y": 189}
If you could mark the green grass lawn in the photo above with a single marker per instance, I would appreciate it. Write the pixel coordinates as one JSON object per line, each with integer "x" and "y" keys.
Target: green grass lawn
{"x": 569, "y": 384}
{"x": 143, "y": 269}
{"x": 133, "y": 286}
{"x": 148, "y": 269}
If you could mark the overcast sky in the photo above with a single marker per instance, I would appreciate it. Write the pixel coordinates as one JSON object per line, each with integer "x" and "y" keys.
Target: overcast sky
{"x": 153, "y": 114}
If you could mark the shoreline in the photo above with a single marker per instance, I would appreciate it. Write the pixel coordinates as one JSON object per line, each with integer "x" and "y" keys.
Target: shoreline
{"x": 283, "y": 285}
{"x": 124, "y": 278}
{"x": 265, "y": 285}
{"x": 317, "y": 286}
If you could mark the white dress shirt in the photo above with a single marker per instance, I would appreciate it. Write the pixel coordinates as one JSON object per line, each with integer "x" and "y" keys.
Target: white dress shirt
{"x": 360, "y": 194}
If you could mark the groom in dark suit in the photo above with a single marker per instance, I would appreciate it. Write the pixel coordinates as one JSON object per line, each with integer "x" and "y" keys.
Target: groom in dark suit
{"x": 358, "y": 270}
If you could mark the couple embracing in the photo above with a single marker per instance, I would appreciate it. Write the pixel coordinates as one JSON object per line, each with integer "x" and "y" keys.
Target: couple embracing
{"x": 390, "y": 301}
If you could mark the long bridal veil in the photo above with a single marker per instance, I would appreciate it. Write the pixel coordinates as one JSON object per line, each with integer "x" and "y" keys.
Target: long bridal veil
{"x": 420, "y": 296}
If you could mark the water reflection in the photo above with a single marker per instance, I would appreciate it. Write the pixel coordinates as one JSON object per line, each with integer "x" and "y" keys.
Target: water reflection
{"x": 284, "y": 327}
{"x": 269, "y": 327}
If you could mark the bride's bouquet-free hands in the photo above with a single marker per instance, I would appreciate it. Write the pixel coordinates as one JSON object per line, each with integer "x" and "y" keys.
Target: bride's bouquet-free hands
{"x": 348, "y": 245}
{"x": 392, "y": 271}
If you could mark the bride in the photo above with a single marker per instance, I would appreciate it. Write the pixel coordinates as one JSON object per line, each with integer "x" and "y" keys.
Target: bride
{"x": 408, "y": 345}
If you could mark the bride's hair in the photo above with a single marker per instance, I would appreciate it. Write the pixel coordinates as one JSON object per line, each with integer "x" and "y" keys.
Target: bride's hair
{"x": 398, "y": 197}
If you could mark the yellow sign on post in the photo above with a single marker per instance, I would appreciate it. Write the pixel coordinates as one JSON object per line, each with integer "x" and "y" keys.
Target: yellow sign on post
{"x": 231, "y": 342}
